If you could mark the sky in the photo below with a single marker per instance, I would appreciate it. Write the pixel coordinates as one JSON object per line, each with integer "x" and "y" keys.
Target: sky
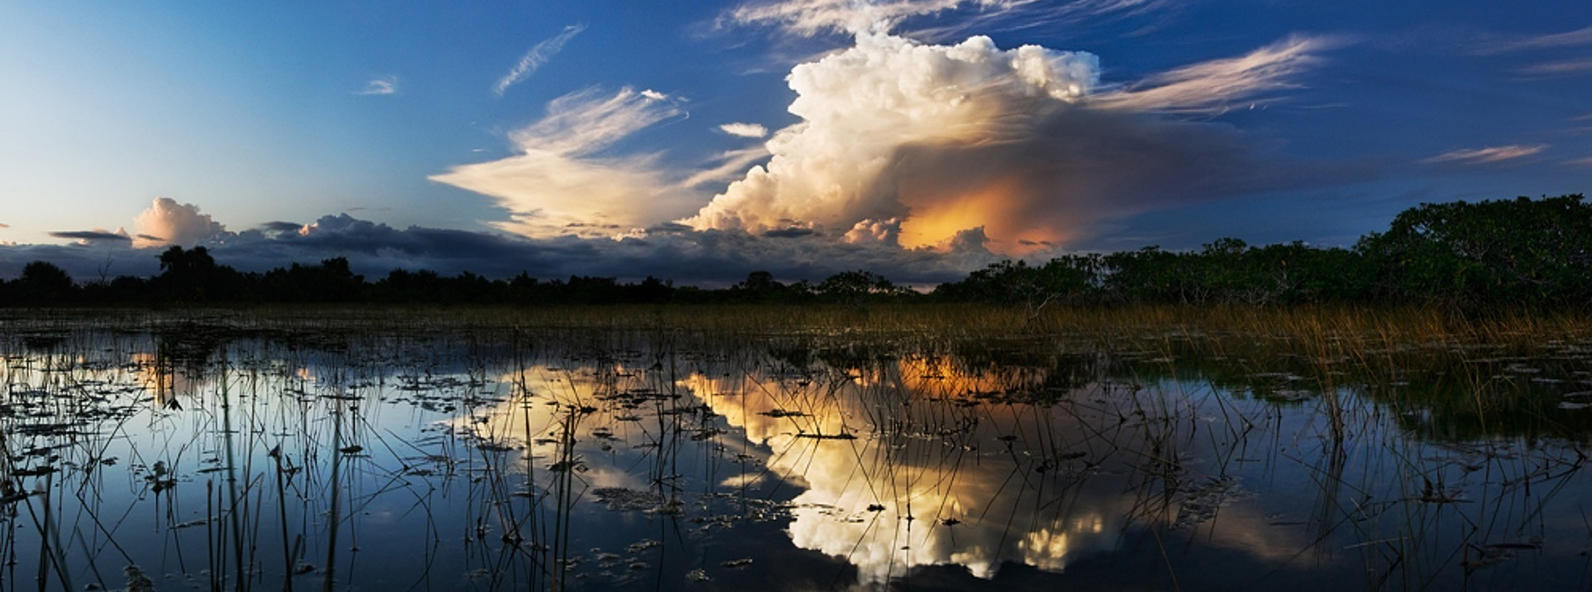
{"x": 699, "y": 141}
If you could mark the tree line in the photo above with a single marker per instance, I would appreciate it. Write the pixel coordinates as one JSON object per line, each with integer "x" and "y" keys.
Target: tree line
{"x": 1517, "y": 253}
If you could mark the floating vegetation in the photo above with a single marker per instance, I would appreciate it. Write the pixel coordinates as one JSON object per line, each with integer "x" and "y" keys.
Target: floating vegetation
{"x": 621, "y": 499}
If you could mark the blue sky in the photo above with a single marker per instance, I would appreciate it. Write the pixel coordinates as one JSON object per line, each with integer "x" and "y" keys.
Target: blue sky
{"x": 1182, "y": 122}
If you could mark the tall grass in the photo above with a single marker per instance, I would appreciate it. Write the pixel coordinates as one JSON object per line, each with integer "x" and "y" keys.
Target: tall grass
{"x": 974, "y": 429}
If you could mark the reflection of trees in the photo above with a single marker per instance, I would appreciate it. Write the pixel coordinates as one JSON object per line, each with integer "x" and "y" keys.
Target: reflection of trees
{"x": 181, "y": 360}
{"x": 889, "y": 455}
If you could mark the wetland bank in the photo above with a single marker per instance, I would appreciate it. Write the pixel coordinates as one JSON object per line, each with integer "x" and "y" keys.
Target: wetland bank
{"x": 794, "y": 448}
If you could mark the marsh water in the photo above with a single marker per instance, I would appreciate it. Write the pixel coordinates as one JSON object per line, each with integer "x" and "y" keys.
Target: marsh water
{"x": 193, "y": 455}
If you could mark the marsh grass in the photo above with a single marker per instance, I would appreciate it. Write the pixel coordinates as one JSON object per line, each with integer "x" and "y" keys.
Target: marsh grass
{"x": 1352, "y": 326}
{"x": 1431, "y": 445}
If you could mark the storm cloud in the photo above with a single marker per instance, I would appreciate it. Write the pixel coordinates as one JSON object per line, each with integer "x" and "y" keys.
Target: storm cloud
{"x": 911, "y": 144}
{"x": 708, "y": 258}
{"x": 1025, "y": 143}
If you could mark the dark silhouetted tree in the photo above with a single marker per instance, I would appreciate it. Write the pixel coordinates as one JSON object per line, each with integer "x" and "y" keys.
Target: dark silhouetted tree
{"x": 44, "y": 283}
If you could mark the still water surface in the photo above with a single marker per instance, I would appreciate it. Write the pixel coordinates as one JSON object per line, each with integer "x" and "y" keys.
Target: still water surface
{"x": 512, "y": 460}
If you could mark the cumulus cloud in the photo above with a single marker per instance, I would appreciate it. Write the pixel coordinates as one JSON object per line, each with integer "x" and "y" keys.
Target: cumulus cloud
{"x": 887, "y": 232}
{"x": 908, "y": 143}
{"x": 385, "y": 85}
{"x": 559, "y": 183}
{"x": 1487, "y": 155}
{"x": 911, "y": 145}
{"x": 535, "y": 58}
{"x": 1025, "y": 144}
{"x": 167, "y": 222}
{"x": 744, "y": 130}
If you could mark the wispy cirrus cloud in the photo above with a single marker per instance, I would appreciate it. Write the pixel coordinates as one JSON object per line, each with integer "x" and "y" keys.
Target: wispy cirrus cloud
{"x": 730, "y": 165}
{"x": 558, "y": 183}
{"x": 1578, "y": 37}
{"x": 1214, "y": 86}
{"x": 1559, "y": 68}
{"x": 535, "y": 58}
{"x": 385, "y": 85}
{"x": 1487, "y": 155}
{"x": 744, "y": 130}
{"x": 808, "y": 18}
{"x": 1580, "y": 162}
{"x": 1557, "y": 63}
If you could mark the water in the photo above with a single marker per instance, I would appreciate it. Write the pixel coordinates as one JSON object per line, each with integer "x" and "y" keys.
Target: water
{"x": 485, "y": 460}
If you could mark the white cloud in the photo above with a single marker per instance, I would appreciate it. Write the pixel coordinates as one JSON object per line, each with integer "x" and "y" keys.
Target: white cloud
{"x": 1582, "y": 162}
{"x": 534, "y": 58}
{"x": 557, "y": 183}
{"x": 811, "y": 17}
{"x": 887, "y": 232}
{"x": 385, "y": 85}
{"x": 732, "y": 164}
{"x": 1214, "y": 86}
{"x": 1582, "y": 36}
{"x": 1022, "y": 143}
{"x": 861, "y": 106}
{"x": 167, "y": 222}
{"x": 744, "y": 130}
{"x": 808, "y": 18}
{"x": 1559, "y": 68}
{"x": 1487, "y": 155}
{"x": 910, "y": 144}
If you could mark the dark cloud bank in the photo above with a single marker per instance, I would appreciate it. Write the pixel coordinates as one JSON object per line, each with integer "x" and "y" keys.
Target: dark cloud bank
{"x": 707, "y": 258}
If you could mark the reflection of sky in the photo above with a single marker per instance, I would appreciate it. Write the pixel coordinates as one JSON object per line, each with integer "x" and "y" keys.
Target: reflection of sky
{"x": 934, "y": 485}
{"x": 934, "y": 473}
{"x": 933, "y": 501}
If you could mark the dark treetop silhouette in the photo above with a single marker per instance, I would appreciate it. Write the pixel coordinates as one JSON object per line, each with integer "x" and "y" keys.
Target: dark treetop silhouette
{"x": 1467, "y": 256}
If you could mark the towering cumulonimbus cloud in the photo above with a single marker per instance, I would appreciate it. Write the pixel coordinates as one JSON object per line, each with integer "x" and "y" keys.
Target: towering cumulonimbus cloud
{"x": 907, "y": 143}
{"x": 1024, "y": 143}
{"x": 167, "y": 222}
{"x": 861, "y": 107}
